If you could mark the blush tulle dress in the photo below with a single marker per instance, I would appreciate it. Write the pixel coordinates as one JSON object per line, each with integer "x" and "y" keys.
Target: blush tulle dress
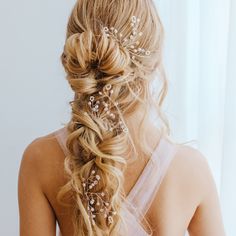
{"x": 143, "y": 192}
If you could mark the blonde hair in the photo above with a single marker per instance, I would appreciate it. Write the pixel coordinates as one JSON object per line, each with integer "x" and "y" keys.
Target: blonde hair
{"x": 91, "y": 61}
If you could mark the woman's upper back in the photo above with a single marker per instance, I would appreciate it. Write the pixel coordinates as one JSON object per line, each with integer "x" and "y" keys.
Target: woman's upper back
{"x": 168, "y": 191}
{"x": 141, "y": 195}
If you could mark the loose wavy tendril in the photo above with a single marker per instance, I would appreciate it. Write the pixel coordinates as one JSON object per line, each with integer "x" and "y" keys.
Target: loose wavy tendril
{"x": 91, "y": 61}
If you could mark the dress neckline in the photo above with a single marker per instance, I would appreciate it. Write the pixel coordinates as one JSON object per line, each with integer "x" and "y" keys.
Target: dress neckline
{"x": 61, "y": 134}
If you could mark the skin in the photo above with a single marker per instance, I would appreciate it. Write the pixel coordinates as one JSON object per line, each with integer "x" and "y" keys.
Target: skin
{"x": 187, "y": 198}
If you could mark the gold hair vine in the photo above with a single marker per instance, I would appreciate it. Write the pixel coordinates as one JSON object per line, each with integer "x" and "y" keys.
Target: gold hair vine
{"x": 102, "y": 105}
{"x": 96, "y": 203}
{"x": 132, "y": 41}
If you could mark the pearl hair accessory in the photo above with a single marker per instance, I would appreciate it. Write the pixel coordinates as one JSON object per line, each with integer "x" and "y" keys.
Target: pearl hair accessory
{"x": 96, "y": 203}
{"x": 131, "y": 42}
{"x": 104, "y": 106}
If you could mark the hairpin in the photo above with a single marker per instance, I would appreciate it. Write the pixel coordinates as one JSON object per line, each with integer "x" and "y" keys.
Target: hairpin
{"x": 96, "y": 203}
{"x": 132, "y": 41}
{"x": 101, "y": 105}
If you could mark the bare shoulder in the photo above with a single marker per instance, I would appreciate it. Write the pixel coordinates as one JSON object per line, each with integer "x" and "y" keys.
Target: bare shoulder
{"x": 198, "y": 189}
{"x": 187, "y": 197}
{"x": 42, "y": 159}
{"x": 38, "y": 180}
{"x": 191, "y": 162}
{"x": 192, "y": 173}
{"x": 40, "y": 151}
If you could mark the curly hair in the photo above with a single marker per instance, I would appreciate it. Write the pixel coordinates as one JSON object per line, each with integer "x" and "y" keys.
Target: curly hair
{"x": 92, "y": 61}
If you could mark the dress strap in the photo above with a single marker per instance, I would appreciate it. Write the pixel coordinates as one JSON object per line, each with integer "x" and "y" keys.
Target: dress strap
{"x": 145, "y": 189}
{"x": 148, "y": 184}
{"x": 61, "y": 135}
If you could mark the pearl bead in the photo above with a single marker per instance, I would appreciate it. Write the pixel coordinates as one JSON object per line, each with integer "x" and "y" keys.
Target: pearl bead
{"x": 133, "y": 19}
{"x": 108, "y": 87}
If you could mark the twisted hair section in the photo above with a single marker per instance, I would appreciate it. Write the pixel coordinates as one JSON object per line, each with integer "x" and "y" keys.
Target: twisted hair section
{"x": 109, "y": 87}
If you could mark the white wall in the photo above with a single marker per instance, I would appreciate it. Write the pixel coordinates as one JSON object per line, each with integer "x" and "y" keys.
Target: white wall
{"x": 34, "y": 95}
{"x": 201, "y": 66}
{"x": 228, "y": 195}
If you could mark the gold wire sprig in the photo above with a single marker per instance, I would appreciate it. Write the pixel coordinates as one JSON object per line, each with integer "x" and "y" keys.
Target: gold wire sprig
{"x": 103, "y": 104}
{"x": 131, "y": 42}
{"x": 96, "y": 201}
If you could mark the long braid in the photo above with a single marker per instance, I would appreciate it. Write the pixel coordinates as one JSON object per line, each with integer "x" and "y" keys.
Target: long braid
{"x": 109, "y": 87}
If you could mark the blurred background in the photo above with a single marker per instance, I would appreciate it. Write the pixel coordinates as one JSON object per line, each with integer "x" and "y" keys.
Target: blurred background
{"x": 200, "y": 62}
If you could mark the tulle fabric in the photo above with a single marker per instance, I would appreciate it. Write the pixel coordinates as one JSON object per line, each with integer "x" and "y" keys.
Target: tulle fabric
{"x": 141, "y": 196}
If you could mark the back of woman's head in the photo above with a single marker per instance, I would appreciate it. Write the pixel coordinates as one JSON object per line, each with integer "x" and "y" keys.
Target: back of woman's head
{"x": 112, "y": 49}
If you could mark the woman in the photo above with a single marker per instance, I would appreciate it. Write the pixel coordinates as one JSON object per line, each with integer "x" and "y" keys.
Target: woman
{"x": 113, "y": 169}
